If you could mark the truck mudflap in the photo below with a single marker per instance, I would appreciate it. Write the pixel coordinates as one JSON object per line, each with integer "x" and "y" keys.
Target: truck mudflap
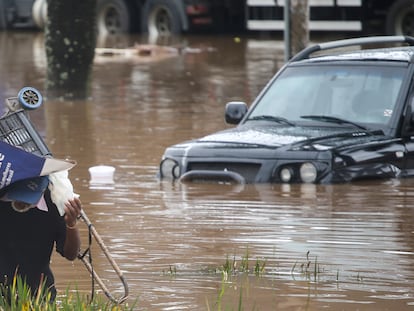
{"x": 212, "y": 176}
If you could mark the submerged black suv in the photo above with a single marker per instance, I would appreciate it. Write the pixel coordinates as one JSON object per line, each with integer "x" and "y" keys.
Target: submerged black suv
{"x": 323, "y": 118}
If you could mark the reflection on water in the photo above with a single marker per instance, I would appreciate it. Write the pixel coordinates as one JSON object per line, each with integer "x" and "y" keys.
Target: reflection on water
{"x": 335, "y": 247}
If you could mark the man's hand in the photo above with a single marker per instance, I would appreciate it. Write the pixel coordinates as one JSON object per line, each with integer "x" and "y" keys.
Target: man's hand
{"x": 72, "y": 211}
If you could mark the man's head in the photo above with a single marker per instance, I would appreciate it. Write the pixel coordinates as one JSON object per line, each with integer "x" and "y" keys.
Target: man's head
{"x": 26, "y": 193}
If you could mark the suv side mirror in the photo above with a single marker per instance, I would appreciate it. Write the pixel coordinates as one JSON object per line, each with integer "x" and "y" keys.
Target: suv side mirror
{"x": 235, "y": 111}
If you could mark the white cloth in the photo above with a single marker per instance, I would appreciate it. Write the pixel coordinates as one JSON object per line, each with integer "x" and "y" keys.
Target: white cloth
{"x": 61, "y": 189}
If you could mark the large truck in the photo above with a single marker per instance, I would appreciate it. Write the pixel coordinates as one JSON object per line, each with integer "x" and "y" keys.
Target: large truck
{"x": 393, "y": 17}
{"x": 150, "y": 16}
{"x": 178, "y": 16}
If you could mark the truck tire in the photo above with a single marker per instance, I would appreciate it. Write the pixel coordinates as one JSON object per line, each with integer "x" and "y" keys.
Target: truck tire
{"x": 161, "y": 18}
{"x": 400, "y": 18}
{"x": 5, "y": 18}
{"x": 112, "y": 17}
{"x": 39, "y": 13}
{"x": 3, "y": 21}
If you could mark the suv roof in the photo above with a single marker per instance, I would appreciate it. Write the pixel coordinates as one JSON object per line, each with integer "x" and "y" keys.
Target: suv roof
{"x": 402, "y": 54}
{"x": 364, "y": 41}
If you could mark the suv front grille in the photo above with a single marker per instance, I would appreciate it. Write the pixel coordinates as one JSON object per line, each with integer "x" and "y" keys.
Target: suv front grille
{"x": 247, "y": 170}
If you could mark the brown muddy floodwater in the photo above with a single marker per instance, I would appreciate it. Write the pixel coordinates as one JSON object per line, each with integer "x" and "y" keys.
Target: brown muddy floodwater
{"x": 307, "y": 247}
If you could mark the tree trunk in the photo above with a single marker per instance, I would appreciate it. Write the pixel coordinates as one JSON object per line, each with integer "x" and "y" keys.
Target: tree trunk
{"x": 70, "y": 47}
{"x": 299, "y": 25}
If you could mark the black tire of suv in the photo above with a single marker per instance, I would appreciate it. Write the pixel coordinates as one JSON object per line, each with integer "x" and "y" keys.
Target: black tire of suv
{"x": 400, "y": 18}
{"x": 161, "y": 17}
{"x": 112, "y": 17}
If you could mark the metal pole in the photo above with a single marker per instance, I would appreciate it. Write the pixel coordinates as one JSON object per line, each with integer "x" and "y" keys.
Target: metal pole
{"x": 287, "y": 31}
{"x": 88, "y": 265}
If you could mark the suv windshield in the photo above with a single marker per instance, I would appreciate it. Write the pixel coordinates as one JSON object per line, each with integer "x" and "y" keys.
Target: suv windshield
{"x": 360, "y": 94}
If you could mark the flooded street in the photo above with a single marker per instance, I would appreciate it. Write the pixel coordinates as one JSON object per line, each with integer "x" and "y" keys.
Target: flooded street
{"x": 206, "y": 246}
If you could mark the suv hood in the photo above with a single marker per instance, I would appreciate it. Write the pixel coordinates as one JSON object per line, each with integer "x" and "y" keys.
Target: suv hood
{"x": 297, "y": 137}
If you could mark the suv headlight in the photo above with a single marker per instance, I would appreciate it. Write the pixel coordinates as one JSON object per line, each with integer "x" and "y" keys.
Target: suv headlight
{"x": 169, "y": 168}
{"x": 286, "y": 174}
{"x": 308, "y": 172}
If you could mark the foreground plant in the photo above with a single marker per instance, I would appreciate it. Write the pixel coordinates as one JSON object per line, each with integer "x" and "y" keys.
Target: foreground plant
{"x": 19, "y": 297}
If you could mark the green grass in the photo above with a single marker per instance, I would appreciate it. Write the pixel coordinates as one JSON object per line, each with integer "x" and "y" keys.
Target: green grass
{"x": 309, "y": 269}
{"x": 231, "y": 266}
